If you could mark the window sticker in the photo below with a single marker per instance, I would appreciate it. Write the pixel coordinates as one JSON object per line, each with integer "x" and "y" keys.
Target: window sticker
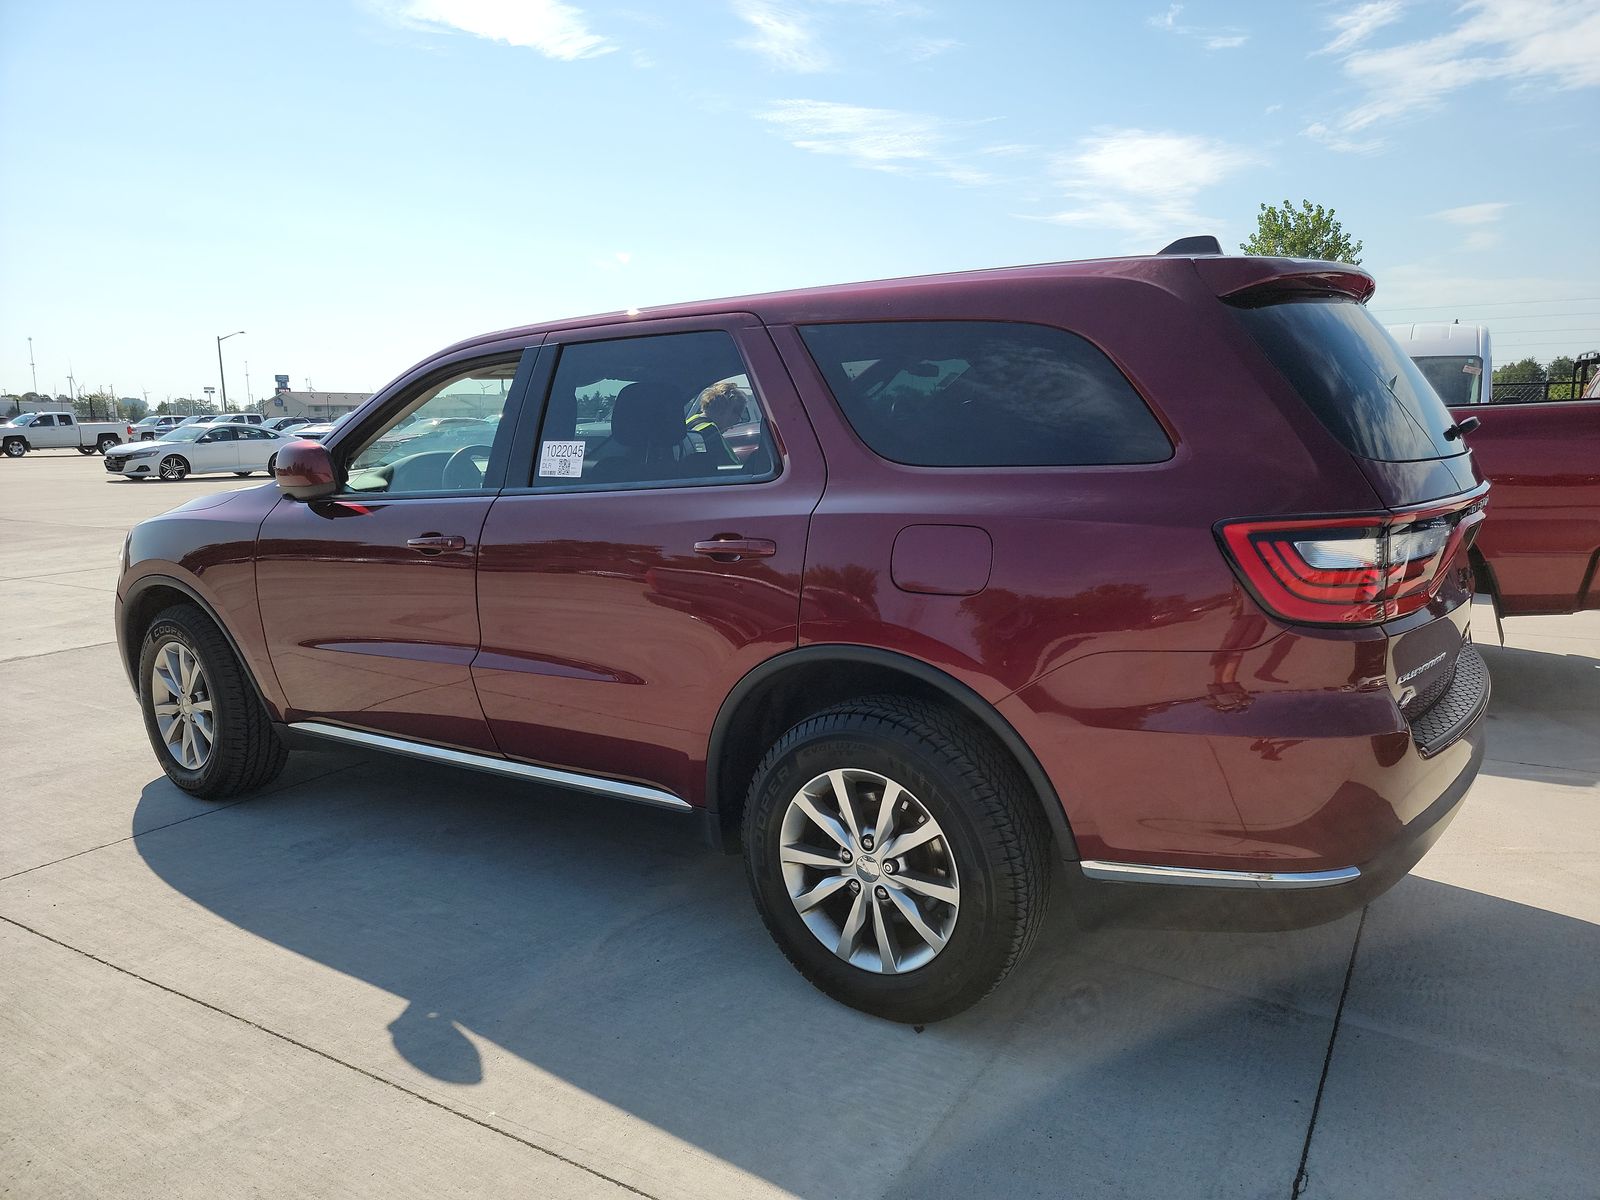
{"x": 560, "y": 460}
{"x": 1471, "y": 369}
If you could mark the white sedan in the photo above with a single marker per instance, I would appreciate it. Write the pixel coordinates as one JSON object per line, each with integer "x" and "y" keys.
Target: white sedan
{"x": 197, "y": 450}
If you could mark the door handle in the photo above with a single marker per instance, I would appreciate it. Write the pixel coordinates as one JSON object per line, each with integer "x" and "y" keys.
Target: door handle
{"x": 436, "y": 543}
{"x": 732, "y": 549}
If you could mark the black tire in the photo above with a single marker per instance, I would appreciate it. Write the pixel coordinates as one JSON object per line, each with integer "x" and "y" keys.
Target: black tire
{"x": 86, "y": 450}
{"x": 243, "y": 474}
{"x": 272, "y": 465}
{"x": 15, "y": 447}
{"x": 993, "y": 829}
{"x": 245, "y": 752}
{"x": 173, "y": 468}
{"x": 106, "y": 442}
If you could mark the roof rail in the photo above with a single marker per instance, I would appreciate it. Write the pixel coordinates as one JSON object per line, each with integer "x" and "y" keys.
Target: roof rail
{"x": 1201, "y": 244}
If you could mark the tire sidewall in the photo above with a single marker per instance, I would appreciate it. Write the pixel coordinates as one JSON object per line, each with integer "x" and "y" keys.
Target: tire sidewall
{"x": 182, "y": 469}
{"x": 978, "y": 945}
{"x": 163, "y": 631}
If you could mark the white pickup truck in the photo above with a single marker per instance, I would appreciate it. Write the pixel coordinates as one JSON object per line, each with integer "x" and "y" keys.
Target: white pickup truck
{"x": 57, "y": 431}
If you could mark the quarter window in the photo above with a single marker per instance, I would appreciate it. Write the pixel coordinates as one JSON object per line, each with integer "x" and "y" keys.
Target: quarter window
{"x": 984, "y": 394}
{"x": 670, "y": 410}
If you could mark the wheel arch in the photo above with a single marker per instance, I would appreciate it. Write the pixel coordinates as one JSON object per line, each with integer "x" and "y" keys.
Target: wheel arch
{"x": 781, "y": 691}
{"x": 148, "y": 596}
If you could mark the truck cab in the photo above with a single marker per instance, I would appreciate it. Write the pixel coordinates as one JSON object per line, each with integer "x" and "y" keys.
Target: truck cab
{"x": 1455, "y": 358}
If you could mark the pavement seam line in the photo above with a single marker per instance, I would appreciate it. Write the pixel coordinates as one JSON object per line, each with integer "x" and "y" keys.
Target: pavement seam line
{"x": 205, "y": 812}
{"x": 323, "y": 1054}
{"x": 1300, "y": 1177}
{"x": 63, "y": 650}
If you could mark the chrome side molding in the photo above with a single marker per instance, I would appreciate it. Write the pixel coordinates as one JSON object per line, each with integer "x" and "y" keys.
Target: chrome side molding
{"x": 593, "y": 784}
{"x": 1115, "y": 872}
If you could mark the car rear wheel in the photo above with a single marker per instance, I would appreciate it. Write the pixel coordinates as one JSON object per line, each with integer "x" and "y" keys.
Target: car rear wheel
{"x": 174, "y": 467}
{"x": 897, "y": 857}
{"x": 242, "y": 474}
{"x": 106, "y": 442}
{"x": 205, "y": 722}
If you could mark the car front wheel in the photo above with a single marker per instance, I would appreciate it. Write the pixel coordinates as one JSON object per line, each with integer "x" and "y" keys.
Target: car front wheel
{"x": 205, "y": 722}
{"x": 897, "y": 856}
{"x": 174, "y": 467}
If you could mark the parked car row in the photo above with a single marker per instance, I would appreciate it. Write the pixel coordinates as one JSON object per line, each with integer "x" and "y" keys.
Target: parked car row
{"x": 996, "y": 597}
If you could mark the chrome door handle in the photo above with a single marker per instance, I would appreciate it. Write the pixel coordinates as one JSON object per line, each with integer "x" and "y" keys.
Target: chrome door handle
{"x": 732, "y": 549}
{"x": 435, "y": 543}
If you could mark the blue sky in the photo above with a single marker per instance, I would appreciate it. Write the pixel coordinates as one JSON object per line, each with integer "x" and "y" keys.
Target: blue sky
{"x": 359, "y": 183}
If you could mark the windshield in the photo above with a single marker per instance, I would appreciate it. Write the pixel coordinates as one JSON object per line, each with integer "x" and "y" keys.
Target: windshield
{"x": 1355, "y": 377}
{"x": 1458, "y": 378}
{"x": 186, "y": 433}
{"x": 23, "y": 418}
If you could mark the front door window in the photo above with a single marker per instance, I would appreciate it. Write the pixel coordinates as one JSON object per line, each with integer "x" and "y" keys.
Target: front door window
{"x": 440, "y": 442}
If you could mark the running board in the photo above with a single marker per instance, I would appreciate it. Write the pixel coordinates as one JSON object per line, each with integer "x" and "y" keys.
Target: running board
{"x": 593, "y": 784}
{"x": 1115, "y": 872}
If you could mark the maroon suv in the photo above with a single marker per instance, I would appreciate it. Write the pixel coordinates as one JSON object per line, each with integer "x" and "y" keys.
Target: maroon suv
{"x": 1144, "y": 576}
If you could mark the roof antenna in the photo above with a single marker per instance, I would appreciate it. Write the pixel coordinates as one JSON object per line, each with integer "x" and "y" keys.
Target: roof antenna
{"x": 1202, "y": 244}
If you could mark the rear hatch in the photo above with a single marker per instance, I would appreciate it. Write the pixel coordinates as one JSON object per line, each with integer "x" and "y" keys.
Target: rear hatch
{"x": 1404, "y": 567}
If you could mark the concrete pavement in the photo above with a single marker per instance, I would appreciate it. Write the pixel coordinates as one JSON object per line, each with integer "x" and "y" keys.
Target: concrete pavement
{"x": 383, "y": 978}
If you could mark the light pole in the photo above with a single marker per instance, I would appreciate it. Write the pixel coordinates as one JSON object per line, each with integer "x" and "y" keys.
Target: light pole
{"x": 210, "y": 392}
{"x": 32, "y": 368}
{"x": 222, "y": 337}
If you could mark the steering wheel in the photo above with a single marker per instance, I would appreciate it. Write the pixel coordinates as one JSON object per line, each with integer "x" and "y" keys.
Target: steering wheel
{"x": 461, "y": 472}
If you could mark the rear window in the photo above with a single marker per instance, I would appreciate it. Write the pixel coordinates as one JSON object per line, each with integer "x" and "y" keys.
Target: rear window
{"x": 984, "y": 394}
{"x": 1355, "y": 377}
{"x": 1458, "y": 378}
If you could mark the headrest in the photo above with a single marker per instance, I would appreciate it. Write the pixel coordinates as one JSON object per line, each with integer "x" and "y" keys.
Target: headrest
{"x": 647, "y": 416}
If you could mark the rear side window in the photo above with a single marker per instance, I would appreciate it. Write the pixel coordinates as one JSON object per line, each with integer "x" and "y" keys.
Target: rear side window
{"x": 1355, "y": 377}
{"x": 984, "y": 394}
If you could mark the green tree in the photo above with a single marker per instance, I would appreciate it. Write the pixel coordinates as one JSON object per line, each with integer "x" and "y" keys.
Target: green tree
{"x": 1309, "y": 231}
{"x": 1524, "y": 370}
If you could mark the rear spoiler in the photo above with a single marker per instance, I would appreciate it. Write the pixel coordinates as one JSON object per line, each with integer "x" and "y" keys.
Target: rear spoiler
{"x": 1250, "y": 280}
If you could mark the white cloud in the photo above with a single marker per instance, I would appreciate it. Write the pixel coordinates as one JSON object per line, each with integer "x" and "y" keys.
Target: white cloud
{"x": 1142, "y": 183}
{"x": 879, "y": 139}
{"x": 782, "y": 34}
{"x": 1474, "y": 214}
{"x": 1270, "y": 109}
{"x": 922, "y": 49}
{"x": 554, "y": 29}
{"x": 1212, "y": 38}
{"x": 1166, "y": 20}
{"x": 1553, "y": 43}
{"x": 1361, "y": 22}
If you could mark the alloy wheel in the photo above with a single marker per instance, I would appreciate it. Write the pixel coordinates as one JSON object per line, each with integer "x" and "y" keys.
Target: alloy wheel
{"x": 173, "y": 467}
{"x": 182, "y": 702}
{"x": 869, "y": 871}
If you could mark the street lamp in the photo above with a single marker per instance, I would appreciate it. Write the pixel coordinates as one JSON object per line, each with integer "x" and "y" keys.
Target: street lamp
{"x": 222, "y": 337}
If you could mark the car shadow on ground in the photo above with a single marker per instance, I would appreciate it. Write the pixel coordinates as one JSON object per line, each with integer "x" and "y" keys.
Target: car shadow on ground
{"x": 604, "y": 945}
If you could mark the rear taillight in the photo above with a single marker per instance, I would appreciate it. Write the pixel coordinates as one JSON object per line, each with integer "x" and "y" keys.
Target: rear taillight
{"x": 1352, "y": 570}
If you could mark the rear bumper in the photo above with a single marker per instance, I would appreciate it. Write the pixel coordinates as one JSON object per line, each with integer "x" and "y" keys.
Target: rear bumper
{"x": 1186, "y": 898}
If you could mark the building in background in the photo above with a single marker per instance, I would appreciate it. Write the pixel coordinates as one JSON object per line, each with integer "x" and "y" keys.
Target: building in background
{"x": 321, "y": 406}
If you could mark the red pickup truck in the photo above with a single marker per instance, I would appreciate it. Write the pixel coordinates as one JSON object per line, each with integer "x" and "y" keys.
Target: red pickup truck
{"x": 1539, "y": 550}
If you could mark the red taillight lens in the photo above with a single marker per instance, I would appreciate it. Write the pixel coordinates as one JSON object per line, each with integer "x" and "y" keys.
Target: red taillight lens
{"x": 1359, "y": 570}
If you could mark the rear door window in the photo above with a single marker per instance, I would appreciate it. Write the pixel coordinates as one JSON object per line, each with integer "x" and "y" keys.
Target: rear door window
{"x": 984, "y": 394}
{"x": 1355, "y": 377}
{"x": 664, "y": 410}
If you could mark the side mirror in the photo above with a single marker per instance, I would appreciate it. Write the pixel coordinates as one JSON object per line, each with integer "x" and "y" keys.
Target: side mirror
{"x": 304, "y": 471}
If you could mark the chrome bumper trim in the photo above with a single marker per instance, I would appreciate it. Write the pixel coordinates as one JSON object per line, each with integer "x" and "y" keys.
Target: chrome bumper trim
{"x": 593, "y": 784}
{"x": 1115, "y": 872}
